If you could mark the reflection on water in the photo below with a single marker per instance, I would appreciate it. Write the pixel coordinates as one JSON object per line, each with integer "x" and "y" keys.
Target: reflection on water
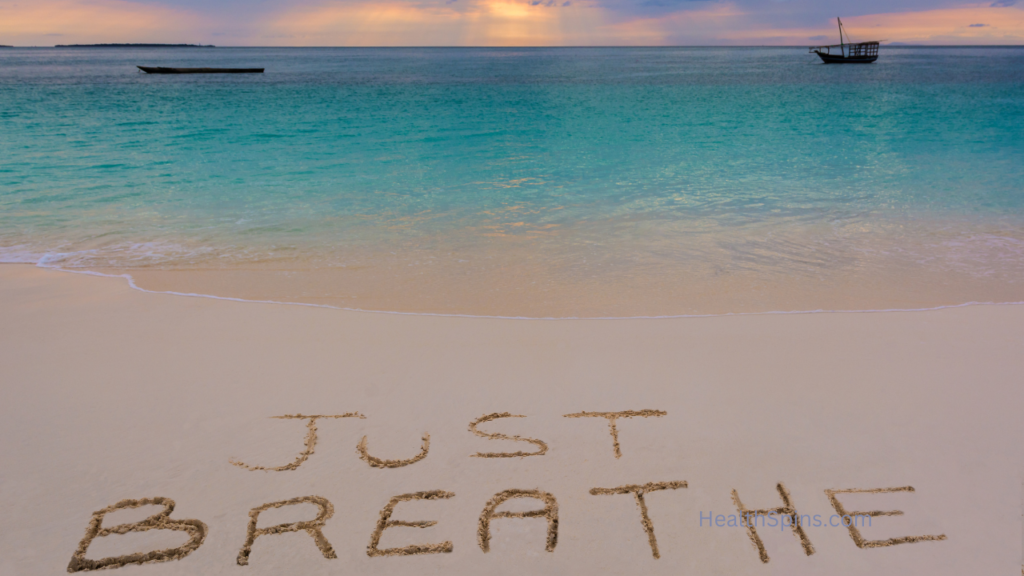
{"x": 541, "y": 182}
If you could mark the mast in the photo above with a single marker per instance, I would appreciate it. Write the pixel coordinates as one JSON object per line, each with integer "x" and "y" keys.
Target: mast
{"x": 842, "y": 46}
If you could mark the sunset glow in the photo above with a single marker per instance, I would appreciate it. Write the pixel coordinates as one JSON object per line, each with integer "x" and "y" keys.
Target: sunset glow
{"x": 49, "y": 22}
{"x": 488, "y": 23}
{"x": 971, "y": 24}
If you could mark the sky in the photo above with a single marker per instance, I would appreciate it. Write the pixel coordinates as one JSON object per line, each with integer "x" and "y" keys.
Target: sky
{"x": 508, "y": 22}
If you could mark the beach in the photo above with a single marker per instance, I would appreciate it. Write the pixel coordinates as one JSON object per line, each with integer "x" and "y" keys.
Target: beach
{"x": 512, "y": 310}
{"x": 112, "y": 393}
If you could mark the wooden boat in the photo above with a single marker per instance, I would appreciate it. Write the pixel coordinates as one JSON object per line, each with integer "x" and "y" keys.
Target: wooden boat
{"x": 856, "y": 53}
{"x": 162, "y": 70}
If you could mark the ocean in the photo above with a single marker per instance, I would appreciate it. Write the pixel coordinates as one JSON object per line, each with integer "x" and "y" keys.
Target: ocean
{"x": 540, "y": 182}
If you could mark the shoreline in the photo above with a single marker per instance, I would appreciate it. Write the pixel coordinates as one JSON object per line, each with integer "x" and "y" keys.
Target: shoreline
{"x": 134, "y": 286}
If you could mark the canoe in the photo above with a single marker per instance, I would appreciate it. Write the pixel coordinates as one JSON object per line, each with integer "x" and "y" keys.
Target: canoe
{"x": 162, "y": 70}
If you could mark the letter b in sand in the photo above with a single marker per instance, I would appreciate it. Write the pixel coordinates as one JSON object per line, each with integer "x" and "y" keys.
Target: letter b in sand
{"x": 159, "y": 521}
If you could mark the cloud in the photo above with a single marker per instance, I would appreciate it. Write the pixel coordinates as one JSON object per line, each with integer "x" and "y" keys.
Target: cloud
{"x": 594, "y": 22}
{"x": 95, "y": 21}
{"x": 467, "y": 23}
{"x": 939, "y": 26}
{"x": 504, "y": 22}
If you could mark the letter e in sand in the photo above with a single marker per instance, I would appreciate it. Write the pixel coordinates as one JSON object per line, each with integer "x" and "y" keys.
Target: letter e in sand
{"x": 851, "y": 517}
{"x": 386, "y": 522}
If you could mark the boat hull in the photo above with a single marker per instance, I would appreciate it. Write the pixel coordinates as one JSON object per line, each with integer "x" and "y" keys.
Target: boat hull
{"x": 835, "y": 59}
{"x": 163, "y": 70}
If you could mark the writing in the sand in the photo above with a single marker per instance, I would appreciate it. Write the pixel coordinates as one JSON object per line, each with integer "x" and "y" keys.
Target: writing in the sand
{"x": 546, "y": 506}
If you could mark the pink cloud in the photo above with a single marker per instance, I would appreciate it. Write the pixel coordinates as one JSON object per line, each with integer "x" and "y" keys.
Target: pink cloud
{"x": 48, "y": 22}
{"x": 482, "y": 23}
{"x": 1005, "y": 25}
{"x": 467, "y": 22}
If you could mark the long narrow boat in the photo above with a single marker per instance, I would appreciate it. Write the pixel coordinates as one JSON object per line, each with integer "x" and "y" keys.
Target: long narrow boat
{"x": 857, "y": 53}
{"x": 162, "y": 70}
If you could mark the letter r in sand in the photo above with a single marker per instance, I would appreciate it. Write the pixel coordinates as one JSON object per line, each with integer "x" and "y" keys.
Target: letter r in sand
{"x": 312, "y": 527}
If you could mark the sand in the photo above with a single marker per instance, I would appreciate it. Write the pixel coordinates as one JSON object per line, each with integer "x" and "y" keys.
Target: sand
{"x": 111, "y": 394}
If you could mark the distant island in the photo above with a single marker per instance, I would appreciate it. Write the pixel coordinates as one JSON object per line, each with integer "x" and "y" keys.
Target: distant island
{"x": 133, "y": 46}
{"x": 5, "y": 46}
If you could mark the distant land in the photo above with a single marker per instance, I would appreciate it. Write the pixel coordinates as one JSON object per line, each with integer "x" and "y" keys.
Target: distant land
{"x": 133, "y": 46}
{"x": 5, "y": 46}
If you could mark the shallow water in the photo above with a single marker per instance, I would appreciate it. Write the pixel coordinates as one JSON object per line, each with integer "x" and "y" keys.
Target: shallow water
{"x": 524, "y": 182}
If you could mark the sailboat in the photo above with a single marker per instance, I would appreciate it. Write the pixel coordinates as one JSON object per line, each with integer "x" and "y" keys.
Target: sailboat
{"x": 846, "y": 53}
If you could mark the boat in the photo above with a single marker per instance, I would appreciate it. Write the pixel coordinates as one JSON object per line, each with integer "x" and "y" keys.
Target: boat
{"x": 847, "y": 53}
{"x": 163, "y": 70}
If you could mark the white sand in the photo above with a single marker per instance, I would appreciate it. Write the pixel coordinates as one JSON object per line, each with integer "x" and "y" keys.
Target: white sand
{"x": 110, "y": 393}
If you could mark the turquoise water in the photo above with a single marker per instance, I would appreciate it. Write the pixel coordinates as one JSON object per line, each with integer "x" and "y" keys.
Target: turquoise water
{"x": 613, "y": 173}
